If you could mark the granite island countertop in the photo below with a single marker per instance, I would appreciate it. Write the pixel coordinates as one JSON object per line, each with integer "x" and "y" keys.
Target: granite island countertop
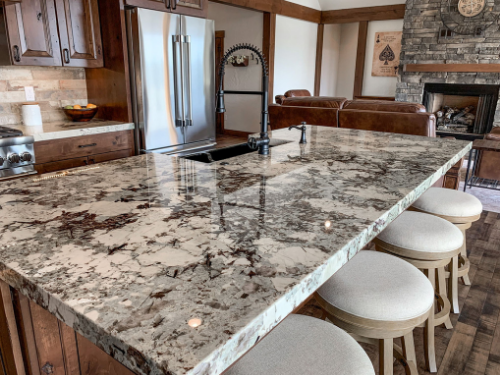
{"x": 128, "y": 252}
{"x": 66, "y": 129}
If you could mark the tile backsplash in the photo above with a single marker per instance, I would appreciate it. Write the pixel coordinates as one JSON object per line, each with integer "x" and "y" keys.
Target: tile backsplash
{"x": 54, "y": 88}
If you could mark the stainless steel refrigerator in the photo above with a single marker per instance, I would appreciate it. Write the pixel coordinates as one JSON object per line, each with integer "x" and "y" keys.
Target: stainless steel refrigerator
{"x": 173, "y": 80}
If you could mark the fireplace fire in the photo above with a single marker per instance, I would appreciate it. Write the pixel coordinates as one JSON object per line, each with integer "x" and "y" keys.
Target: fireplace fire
{"x": 465, "y": 111}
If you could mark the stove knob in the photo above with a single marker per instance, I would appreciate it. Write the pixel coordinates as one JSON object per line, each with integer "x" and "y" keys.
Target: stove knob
{"x": 14, "y": 158}
{"x": 26, "y": 156}
{"x": 1, "y": 160}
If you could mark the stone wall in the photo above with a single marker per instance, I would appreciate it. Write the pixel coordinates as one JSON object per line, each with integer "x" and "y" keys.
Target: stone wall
{"x": 420, "y": 45}
{"x": 54, "y": 89}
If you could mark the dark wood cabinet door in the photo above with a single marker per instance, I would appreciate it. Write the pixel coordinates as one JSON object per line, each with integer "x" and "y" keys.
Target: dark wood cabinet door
{"x": 55, "y": 166}
{"x": 197, "y": 8}
{"x": 32, "y": 30}
{"x": 80, "y": 33}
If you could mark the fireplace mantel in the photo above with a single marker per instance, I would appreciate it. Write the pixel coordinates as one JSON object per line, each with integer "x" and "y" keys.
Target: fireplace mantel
{"x": 462, "y": 68}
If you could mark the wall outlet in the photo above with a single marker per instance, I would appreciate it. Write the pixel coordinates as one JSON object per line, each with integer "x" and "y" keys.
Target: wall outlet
{"x": 30, "y": 93}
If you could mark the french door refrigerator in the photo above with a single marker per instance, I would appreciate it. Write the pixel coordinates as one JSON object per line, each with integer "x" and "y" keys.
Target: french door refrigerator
{"x": 173, "y": 81}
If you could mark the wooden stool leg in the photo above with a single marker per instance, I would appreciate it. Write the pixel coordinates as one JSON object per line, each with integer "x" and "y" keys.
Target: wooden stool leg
{"x": 408, "y": 345}
{"x": 442, "y": 292}
{"x": 453, "y": 285}
{"x": 465, "y": 259}
{"x": 430, "y": 353}
{"x": 386, "y": 365}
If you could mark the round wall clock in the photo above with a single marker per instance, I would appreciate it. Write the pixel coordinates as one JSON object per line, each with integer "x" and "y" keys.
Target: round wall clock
{"x": 471, "y": 8}
{"x": 468, "y": 17}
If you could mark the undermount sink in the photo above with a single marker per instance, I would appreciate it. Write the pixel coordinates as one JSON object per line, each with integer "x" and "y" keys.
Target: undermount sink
{"x": 220, "y": 154}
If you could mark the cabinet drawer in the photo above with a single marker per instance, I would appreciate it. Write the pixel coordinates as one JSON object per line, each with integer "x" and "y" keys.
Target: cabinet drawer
{"x": 61, "y": 165}
{"x": 108, "y": 156}
{"x": 70, "y": 148}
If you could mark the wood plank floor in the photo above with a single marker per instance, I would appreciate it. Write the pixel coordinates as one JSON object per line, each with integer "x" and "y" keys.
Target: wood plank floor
{"x": 472, "y": 347}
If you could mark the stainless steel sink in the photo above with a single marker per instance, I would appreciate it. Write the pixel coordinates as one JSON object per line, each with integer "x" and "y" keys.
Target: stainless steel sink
{"x": 221, "y": 154}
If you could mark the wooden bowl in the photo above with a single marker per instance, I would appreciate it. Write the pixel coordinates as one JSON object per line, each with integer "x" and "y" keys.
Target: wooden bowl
{"x": 80, "y": 115}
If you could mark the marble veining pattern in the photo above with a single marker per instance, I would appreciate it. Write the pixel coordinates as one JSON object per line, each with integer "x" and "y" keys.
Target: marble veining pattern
{"x": 66, "y": 129}
{"x": 128, "y": 252}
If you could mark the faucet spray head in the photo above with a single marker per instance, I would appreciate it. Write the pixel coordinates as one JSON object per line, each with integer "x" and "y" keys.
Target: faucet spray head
{"x": 221, "y": 108}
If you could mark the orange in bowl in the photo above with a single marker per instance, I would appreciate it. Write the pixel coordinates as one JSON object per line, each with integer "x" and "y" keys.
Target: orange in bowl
{"x": 91, "y": 105}
{"x": 77, "y": 106}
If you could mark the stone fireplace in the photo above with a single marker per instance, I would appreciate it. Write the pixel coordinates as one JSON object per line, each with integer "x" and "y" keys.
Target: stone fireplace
{"x": 475, "y": 92}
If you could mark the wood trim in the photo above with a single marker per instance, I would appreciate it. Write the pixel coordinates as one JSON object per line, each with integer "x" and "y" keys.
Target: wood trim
{"x": 10, "y": 344}
{"x": 319, "y": 59}
{"x": 220, "y": 34}
{"x": 388, "y": 12}
{"x": 301, "y": 12}
{"x": 360, "y": 59}
{"x": 280, "y": 7}
{"x": 236, "y": 133}
{"x": 462, "y": 68}
{"x": 268, "y": 47}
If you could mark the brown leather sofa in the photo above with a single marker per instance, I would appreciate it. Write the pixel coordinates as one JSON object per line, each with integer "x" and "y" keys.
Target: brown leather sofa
{"x": 317, "y": 110}
{"x": 488, "y": 166}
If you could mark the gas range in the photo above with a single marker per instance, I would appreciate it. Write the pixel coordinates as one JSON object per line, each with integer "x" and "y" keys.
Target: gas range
{"x": 17, "y": 155}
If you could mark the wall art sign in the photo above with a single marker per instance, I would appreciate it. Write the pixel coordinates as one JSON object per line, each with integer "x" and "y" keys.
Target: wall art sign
{"x": 386, "y": 54}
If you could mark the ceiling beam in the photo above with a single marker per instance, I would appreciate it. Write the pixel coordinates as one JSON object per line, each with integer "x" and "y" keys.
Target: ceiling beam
{"x": 281, "y": 7}
{"x": 388, "y": 12}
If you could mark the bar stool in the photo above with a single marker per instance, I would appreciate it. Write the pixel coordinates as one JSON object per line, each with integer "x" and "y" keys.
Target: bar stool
{"x": 378, "y": 297}
{"x": 304, "y": 345}
{"x": 429, "y": 243}
{"x": 459, "y": 208}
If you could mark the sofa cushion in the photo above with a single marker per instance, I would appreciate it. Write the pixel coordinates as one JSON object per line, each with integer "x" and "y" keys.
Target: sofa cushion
{"x": 384, "y": 106}
{"x": 294, "y": 93}
{"x": 314, "y": 101}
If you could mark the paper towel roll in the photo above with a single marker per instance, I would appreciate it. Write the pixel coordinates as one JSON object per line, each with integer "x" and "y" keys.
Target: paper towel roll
{"x": 32, "y": 116}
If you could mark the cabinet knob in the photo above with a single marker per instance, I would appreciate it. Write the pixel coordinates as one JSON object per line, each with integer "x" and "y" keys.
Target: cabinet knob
{"x": 17, "y": 56}
{"x": 66, "y": 55}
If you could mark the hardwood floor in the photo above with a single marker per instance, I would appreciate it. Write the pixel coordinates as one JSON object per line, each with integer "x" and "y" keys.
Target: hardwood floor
{"x": 472, "y": 347}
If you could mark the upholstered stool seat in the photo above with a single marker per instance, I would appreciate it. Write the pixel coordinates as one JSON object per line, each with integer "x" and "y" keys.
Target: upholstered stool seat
{"x": 416, "y": 232}
{"x": 429, "y": 243}
{"x": 447, "y": 202}
{"x": 304, "y": 345}
{"x": 379, "y": 296}
{"x": 459, "y": 208}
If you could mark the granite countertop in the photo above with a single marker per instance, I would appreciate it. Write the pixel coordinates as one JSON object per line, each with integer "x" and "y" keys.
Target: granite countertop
{"x": 128, "y": 252}
{"x": 67, "y": 129}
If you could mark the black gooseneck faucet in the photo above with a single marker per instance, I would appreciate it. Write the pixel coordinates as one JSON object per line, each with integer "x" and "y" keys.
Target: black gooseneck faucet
{"x": 261, "y": 143}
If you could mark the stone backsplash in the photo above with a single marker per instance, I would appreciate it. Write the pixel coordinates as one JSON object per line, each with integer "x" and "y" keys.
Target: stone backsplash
{"x": 54, "y": 88}
{"x": 421, "y": 46}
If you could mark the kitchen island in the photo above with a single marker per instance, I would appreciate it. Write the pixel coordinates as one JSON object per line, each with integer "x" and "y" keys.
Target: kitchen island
{"x": 173, "y": 266}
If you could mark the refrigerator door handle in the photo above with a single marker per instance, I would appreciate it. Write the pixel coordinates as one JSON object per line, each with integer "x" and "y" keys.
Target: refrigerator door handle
{"x": 187, "y": 82}
{"x": 180, "y": 113}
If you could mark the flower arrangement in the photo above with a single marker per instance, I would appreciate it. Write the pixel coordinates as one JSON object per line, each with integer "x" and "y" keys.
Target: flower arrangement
{"x": 238, "y": 60}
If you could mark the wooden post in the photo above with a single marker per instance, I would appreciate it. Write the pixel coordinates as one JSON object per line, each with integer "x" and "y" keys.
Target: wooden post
{"x": 319, "y": 58}
{"x": 268, "y": 47}
{"x": 360, "y": 59}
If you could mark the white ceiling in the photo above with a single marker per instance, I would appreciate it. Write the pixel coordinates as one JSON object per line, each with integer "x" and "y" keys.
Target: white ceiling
{"x": 345, "y": 4}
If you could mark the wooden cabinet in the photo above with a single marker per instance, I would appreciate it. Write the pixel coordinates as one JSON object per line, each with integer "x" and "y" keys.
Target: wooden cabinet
{"x": 59, "y": 154}
{"x": 38, "y": 343}
{"x": 32, "y": 33}
{"x": 54, "y": 33}
{"x": 197, "y": 8}
{"x": 80, "y": 33}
